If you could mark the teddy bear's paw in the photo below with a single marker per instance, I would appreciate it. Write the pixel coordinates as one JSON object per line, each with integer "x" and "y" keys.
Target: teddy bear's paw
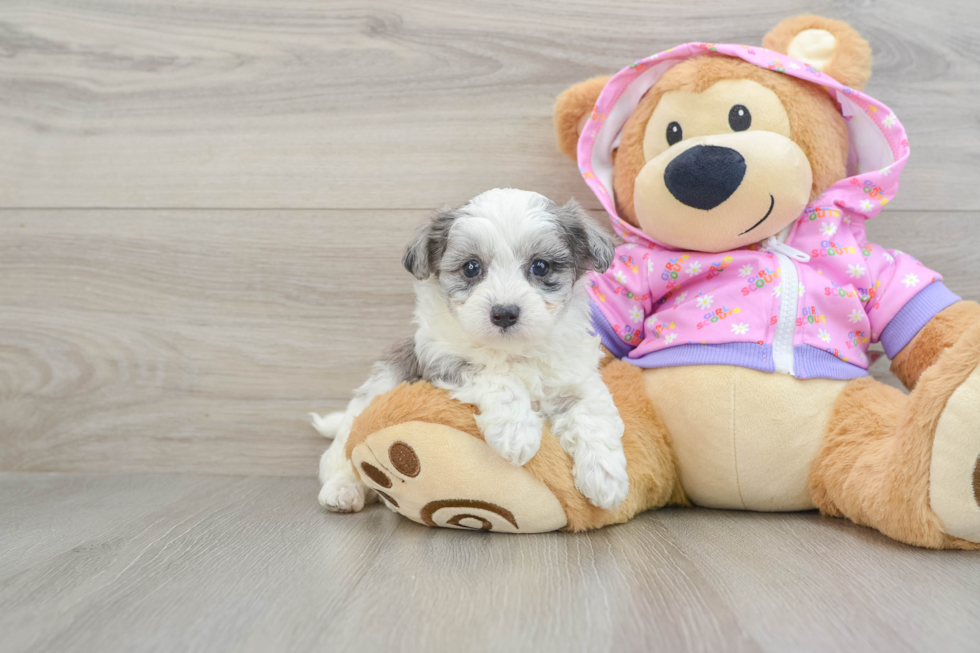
{"x": 954, "y": 473}
{"x": 439, "y": 476}
{"x": 515, "y": 440}
{"x": 343, "y": 493}
{"x": 600, "y": 475}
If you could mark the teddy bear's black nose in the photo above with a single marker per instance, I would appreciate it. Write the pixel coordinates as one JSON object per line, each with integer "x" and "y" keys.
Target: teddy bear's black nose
{"x": 704, "y": 176}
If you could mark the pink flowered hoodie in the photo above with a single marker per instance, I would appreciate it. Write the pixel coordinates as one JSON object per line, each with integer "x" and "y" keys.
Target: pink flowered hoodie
{"x": 808, "y": 305}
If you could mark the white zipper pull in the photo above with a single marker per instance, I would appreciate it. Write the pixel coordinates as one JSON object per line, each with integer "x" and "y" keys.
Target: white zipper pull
{"x": 776, "y": 246}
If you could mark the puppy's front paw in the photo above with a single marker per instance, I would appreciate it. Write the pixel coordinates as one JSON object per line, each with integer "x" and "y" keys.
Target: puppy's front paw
{"x": 515, "y": 440}
{"x": 343, "y": 493}
{"x": 600, "y": 475}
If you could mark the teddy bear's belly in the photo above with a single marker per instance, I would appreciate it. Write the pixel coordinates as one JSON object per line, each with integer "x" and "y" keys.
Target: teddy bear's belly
{"x": 744, "y": 439}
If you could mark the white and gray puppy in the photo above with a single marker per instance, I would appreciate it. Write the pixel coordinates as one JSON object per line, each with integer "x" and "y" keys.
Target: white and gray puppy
{"x": 503, "y": 324}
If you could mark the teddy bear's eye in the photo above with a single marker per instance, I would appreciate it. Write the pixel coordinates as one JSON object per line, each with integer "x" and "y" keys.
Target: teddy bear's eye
{"x": 739, "y": 118}
{"x": 674, "y": 133}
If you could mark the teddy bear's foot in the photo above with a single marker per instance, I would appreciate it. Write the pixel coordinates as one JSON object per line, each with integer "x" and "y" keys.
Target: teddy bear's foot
{"x": 439, "y": 476}
{"x": 954, "y": 474}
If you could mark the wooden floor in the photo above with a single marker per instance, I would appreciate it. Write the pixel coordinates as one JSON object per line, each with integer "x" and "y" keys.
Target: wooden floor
{"x": 246, "y": 563}
{"x": 202, "y": 206}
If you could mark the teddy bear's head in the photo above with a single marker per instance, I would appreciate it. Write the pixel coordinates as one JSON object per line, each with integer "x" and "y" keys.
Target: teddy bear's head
{"x": 720, "y": 153}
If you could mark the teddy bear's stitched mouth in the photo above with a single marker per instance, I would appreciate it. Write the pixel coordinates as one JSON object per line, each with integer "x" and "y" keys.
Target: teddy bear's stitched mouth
{"x": 772, "y": 203}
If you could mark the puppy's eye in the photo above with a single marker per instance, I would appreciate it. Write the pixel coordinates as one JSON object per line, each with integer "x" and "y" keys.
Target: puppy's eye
{"x": 472, "y": 269}
{"x": 674, "y": 133}
{"x": 540, "y": 268}
{"x": 739, "y": 118}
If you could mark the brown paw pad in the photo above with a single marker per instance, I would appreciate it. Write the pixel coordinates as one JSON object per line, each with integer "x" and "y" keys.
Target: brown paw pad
{"x": 976, "y": 481}
{"x": 404, "y": 459}
{"x": 376, "y": 475}
{"x": 387, "y": 498}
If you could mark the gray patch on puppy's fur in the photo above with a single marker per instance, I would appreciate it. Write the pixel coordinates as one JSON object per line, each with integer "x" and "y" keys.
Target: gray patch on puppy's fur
{"x": 563, "y": 270}
{"x": 592, "y": 247}
{"x": 423, "y": 253}
{"x": 448, "y": 370}
{"x": 456, "y": 287}
{"x": 464, "y": 245}
{"x": 402, "y": 362}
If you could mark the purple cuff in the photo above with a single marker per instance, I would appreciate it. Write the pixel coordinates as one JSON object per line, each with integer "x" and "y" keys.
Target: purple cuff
{"x": 610, "y": 340}
{"x": 915, "y": 315}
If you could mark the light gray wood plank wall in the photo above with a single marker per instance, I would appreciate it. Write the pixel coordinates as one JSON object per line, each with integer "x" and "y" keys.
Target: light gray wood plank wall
{"x": 193, "y": 340}
{"x": 388, "y": 104}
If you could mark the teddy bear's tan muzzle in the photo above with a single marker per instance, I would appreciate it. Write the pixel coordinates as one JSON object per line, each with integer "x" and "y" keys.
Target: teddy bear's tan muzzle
{"x": 721, "y": 192}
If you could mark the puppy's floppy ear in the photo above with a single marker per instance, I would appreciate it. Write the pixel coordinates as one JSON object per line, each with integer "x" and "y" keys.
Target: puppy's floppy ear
{"x": 572, "y": 108}
{"x": 591, "y": 245}
{"x": 424, "y": 252}
{"x": 831, "y": 46}
{"x": 416, "y": 256}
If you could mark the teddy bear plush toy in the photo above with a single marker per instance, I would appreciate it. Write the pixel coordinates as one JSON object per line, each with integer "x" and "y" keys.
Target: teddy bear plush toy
{"x": 740, "y": 309}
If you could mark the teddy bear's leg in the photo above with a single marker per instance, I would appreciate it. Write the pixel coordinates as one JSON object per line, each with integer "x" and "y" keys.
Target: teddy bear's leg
{"x": 651, "y": 465}
{"x": 907, "y": 465}
{"x": 424, "y": 455}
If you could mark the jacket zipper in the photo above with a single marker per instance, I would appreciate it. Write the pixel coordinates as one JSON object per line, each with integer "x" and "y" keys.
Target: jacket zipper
{"x": 789, "y": 299}
{"x": 782, "y": 343}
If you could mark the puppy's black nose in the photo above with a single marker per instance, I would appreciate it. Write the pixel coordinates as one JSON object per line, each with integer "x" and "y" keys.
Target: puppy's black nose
{"x": 704, "y": 176}
{"x": 505, "y": 316}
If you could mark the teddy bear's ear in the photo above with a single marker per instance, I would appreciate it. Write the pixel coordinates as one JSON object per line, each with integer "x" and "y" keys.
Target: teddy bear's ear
{"x": 831, "y": 46}
{"x": 572, "y": 109}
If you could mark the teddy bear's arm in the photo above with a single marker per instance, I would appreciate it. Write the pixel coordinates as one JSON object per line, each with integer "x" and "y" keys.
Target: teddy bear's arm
{"x": 942, "y": 331}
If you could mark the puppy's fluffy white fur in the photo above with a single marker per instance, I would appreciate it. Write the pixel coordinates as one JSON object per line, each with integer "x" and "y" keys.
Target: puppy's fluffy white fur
{"x": 530, "y": 256}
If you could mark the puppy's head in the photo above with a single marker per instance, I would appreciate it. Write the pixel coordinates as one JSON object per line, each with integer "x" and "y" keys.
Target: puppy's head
{"x": 507, "y": 262}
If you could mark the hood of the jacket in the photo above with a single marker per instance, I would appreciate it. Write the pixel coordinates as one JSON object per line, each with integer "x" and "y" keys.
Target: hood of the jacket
{"x": 878, "y": 144}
